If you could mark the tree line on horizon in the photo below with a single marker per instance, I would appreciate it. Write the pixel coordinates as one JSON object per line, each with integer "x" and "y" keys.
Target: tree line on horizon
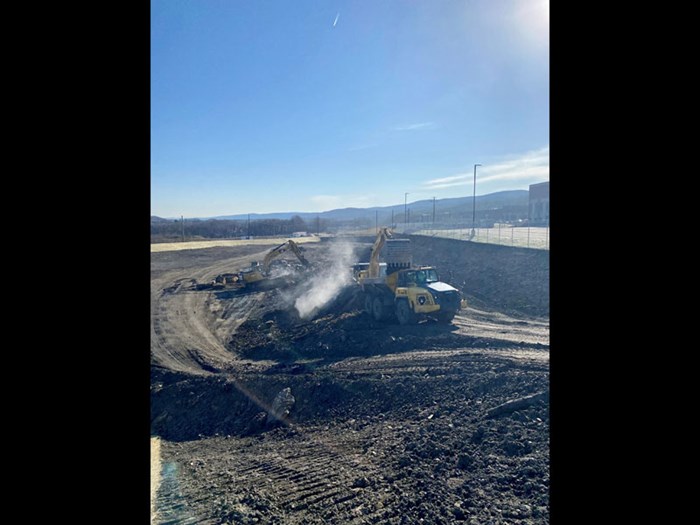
{"x": 165, "y": 230}
{"x": 169, "y": 230}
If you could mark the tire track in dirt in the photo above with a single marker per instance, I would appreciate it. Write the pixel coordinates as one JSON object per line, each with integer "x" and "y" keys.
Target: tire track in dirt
{"x": 187, "y": 335}
{"x": 313, "y": 479}
{"x": 356, "y": 471}
{"x": 171, "y": 508}
{"x": 495, "y": 325}
{"x": 436, "y": 361}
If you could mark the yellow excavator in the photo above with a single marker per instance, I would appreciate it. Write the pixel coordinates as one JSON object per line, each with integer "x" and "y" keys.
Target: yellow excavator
{"x": 398, "y": 288}
{"x": 259, "y": 273}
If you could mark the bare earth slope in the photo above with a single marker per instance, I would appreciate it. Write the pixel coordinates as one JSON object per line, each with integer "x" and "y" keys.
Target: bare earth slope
{"x": 389, "y": 424}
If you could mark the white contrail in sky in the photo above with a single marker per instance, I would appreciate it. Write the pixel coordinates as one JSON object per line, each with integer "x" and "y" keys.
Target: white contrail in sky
{"x": 336, "y": 19}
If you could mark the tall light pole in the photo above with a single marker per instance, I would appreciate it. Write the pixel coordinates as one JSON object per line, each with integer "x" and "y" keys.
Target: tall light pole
{"x": 405, "y": 209}
{"x": 474, "y": 201}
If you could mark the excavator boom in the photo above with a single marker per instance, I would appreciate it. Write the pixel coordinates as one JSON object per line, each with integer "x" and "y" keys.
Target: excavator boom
{"x": 297, "y": 251}
{"x": 382, "y": 236}
{"x": 279, "y": 250}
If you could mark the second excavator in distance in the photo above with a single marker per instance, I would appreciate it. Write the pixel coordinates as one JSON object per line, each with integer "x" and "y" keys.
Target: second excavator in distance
{"x": 258, "y": 272}
{"x": 260, "y": 275}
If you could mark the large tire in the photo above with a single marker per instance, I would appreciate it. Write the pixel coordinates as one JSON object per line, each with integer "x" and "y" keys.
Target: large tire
{"x": 404, "y": 313}
{"x": 368, "y": 304}
{"x": 445, "y": 317}
{"x": 378, "y": 309}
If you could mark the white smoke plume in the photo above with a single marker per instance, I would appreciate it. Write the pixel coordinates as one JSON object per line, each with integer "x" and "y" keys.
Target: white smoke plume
{"x": 326, "y": 286}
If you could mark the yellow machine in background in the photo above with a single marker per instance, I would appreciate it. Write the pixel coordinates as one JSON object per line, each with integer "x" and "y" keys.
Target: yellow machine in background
{"x": 396, "y": 287}
{"x": 257, "y": 272}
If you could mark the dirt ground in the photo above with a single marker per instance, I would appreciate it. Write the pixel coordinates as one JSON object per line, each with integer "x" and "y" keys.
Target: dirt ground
{"x": 384, "y": 423}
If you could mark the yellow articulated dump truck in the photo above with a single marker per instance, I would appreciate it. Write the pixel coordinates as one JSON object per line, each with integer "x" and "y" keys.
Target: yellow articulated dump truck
{"x": 397, "y": 288}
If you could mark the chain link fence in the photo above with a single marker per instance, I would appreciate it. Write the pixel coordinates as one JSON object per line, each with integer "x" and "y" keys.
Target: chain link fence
{"x": 505, "y": 234}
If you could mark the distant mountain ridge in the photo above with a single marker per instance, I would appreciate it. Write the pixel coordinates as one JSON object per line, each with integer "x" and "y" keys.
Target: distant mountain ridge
{"x": 453, "y": 205}
{"x": 450, "y": 205}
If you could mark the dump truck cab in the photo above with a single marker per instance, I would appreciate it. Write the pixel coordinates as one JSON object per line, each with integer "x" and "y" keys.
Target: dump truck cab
{"x": 424, "y": 293}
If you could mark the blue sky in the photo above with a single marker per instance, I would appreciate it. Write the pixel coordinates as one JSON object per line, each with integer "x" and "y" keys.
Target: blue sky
{"x": 265, "y": 106}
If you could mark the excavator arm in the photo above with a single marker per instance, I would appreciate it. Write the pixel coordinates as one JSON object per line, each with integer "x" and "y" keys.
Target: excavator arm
{"x": 279, "y": 250}
{"x": 382, "y": 236}
{"x": 297, "y": 251}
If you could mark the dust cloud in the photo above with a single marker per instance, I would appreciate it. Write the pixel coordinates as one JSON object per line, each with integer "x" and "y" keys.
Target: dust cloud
{"x": 326, "y": 286}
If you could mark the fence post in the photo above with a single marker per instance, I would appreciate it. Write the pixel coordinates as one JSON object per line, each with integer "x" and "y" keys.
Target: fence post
{"x": 499, "y": 233}
{"x": 487, "y": 235}
{"x": 512, "y": 231}
{"x": 546, "y": 241}
{"x": 528, "y": 236}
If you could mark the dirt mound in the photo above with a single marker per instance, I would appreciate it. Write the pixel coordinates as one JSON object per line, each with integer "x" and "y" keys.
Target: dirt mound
{"x": 419, "y": 436}
{"x": 282, "y": 337}
{"x": 187, "y": 407}
{"x": 267, "y": 416}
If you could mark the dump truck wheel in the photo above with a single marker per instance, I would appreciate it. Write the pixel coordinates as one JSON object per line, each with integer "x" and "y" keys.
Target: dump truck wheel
{"x": 368, "y": 304}
{"x": 404, "y": 313}
{"x": 377, "y": 309}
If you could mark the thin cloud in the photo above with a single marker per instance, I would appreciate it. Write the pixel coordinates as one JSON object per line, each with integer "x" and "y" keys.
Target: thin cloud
{"x": 528, "y": 166}
{"x": 332, "y": 202}
{"x": 413, "y": 127}
{"x": 446, "y": 181}
{"x": 336, "y": 19}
